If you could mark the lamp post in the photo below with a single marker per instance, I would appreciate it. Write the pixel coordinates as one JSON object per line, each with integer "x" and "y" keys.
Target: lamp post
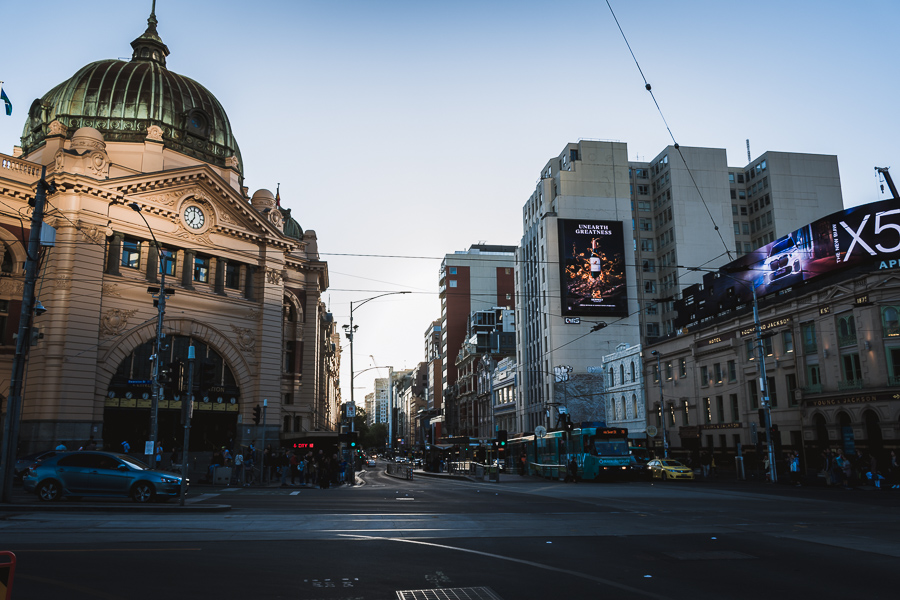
{"x": 662, "y": 404}
{"x": 349, "y": 331}
{"x": 161, "y": 293}
{"x": 763, "y": 380}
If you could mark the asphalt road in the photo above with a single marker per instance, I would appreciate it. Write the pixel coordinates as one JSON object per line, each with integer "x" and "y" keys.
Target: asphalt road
{"x": 522, "y": 538}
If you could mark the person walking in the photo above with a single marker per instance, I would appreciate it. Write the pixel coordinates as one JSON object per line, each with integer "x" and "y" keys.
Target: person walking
{"x": 795, "y": 468}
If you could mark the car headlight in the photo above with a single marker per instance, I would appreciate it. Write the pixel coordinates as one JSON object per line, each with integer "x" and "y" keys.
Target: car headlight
{"x": 169, "y": 480}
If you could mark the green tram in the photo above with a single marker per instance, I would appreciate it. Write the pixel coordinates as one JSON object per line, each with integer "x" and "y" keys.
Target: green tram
{"x": 600, "y": 453}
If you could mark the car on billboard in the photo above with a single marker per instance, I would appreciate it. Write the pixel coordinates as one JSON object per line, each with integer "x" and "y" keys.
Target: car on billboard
{"x": 785, "y": 258}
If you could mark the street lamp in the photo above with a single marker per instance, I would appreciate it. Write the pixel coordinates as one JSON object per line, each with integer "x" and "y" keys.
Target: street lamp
{"x": 160, "y": 297}
{"x": 349, "y": 331}
{"x": 662, "y": 404}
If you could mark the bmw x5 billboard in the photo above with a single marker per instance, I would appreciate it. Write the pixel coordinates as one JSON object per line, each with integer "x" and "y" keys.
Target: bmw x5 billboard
{"x": 592, "y": 268}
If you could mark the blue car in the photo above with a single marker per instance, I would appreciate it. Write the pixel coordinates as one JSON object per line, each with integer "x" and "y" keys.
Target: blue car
{"x": 99, "y": 475}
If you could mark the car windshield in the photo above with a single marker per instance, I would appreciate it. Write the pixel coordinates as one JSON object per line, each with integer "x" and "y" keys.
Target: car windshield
{"x": 671, "y": 463}
{"x": 781, "y": 246}
{"x": 611, "y": 446}
{"x": 133, "y": 462}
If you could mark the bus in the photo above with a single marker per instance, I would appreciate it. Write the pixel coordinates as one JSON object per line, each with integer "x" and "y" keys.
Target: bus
{"x": 600, "y": 453}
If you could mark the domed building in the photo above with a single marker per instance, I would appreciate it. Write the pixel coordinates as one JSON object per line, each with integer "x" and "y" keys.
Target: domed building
{"x": 148, "y": 199}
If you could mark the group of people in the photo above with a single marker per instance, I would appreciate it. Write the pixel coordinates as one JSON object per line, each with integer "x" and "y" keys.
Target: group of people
{"x": 859, "y": 468}
{"x": 315, "y": 470}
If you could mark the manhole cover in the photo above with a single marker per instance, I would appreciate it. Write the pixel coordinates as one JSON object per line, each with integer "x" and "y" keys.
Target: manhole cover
{"x": 470, "y": 593}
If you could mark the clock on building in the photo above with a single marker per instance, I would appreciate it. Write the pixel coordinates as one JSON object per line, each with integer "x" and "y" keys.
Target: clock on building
{"x": 194, "y": 217}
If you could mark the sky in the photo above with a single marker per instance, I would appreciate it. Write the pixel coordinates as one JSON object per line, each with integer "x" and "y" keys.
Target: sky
{"x": 401, "y": 131}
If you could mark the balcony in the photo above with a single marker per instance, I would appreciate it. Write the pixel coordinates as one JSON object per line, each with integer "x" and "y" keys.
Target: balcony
{"x": 812, "y": 389}
{"x": 853, "y": 384}
{"x": 847, "y": 339}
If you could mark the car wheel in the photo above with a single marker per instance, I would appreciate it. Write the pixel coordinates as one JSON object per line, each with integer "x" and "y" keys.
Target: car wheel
{"x": 665, "y": 476}
{"x": 49, "y": 491}
{"x": 142, "y": 492}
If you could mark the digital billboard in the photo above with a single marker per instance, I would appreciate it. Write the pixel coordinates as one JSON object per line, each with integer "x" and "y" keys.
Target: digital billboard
{"x": 592, "y": 268}
{"x": 862, "y": 236}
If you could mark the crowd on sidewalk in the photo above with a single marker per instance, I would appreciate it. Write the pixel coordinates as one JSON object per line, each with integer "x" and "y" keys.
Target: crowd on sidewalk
{"x": 285, "y": 466}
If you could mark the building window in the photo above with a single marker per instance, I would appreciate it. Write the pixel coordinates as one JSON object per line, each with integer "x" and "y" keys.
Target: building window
{"x": 201, "y": 269}
{"x": 813, "y": 378}
{"x": 717, "y": 372}
{"x": 732, "y": 371}
{"x": 632, "y": 371}
{"x": 791, "y": 380}
{"x": 720, "y": 409}
{"x": 735, "y": 413}
{"x": 288, "y": 398}
{"x": 453, "y": 270}
{"x": 890, "y": 321}
{"x": 646, "y": 245}
{"x": 753, "y": 393}
{"x": 846, "y": 331}
{"x": 685, "y": 413}
{"x": 850, "y": 368}
{"x": 131, "y": 253}
{"x": 298, "y": 423}
{"x": 787, "y": 341}
{"x": 771, "y": 390}
{"x": 650, "y": 308}
{"x": 288, "y": 354}
{"x": 707, "y": 411}
{"x": 650, "y": 286}
{"x": 652, "y": 329}
{"x": 704, "y": 376}
{"x": 4, "y": 314}
{"x": 682, "y": 369}
{"x": 634, "y": 407}
{"x": 749, "y": 350}
{"x": 168, "y": 262}
{"x": 453, "y": 283}
{"x": 233, "y": 276}
{"x": 286, "y": 427}
{"x": 808, "y": 335}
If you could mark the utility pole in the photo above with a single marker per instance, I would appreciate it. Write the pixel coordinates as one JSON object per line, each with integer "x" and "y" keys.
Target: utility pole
{"x": 23, "y": 342}
{"x": 262, "y": 446}
{"x": 187, "y": 408}
{"x": 764, "y": 386}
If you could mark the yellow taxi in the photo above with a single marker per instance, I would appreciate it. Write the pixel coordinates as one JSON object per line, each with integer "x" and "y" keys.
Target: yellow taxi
{"x": 666, "y": 469}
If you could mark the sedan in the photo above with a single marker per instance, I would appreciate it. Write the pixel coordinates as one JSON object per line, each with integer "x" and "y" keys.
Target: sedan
{"x": 99, "y": 475}
{"x": 667, "y": 469}
{"x": 26, "y": 462}
{"x": 370, "y": 462}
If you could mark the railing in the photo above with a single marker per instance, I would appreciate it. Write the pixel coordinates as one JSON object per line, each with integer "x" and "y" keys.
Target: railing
{"x": 853, "y": 384}
{"x": 893, "y": 380}
{"x": 18, "y": 169}
{"x": 812, "y": 389}
{"x": 848, "y": 339}
{"x": 402, "y": 471}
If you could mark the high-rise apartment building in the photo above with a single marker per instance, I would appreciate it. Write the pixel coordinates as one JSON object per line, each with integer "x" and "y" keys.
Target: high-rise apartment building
{"x": 609, "y": 245}
{"x": 476, "y": 279}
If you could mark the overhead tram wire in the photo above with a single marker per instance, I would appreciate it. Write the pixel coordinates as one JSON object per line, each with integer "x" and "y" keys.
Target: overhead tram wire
{"x": 669, "y": 129}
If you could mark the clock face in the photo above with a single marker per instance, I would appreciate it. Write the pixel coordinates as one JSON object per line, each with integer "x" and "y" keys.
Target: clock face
{"x": 194, "y": 217}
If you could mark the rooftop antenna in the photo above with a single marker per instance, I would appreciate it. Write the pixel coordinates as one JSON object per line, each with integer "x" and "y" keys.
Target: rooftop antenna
{"x": 748, "y": 151}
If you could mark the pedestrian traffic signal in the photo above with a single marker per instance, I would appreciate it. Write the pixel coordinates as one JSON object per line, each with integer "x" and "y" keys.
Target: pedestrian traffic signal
{"x": 352, "y": 437}
{"x": 257, "y": 414}
{"x": 207, "y": 374}
{"x": 501, "y": 438}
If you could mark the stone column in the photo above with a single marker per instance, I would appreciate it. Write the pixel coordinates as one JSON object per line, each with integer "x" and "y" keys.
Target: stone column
{"x": 221, "y": 267}
{"x": 187, "y": 273}
{"x": 115, "y": 254}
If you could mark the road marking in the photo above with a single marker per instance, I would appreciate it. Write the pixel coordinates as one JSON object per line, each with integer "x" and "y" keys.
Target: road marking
{"x": 295, "y": 493}
{"x": 608, "y": 582}
{"x": 199, "y": 498}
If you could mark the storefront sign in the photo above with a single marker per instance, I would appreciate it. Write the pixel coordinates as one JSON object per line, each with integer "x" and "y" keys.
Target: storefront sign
{"x": 858, "y": 399}
{"x": 724, "y": 337}
{"x": 722, "y": 426}
{"x": 767, "y": 325}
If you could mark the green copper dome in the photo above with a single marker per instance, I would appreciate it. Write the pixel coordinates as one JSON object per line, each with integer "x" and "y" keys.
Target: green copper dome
{"x": 123, "y": 99}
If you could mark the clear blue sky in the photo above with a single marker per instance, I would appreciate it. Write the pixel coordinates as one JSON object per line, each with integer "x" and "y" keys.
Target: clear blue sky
{"x": 410, "y": 128}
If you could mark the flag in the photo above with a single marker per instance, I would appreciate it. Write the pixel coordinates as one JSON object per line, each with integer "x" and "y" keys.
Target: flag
{"x": 5, "y": 100}
{"x": 278, "y": 195}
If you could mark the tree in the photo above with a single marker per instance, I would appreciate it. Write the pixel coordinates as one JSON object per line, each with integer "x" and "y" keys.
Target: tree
{"x": 375, "y": 436}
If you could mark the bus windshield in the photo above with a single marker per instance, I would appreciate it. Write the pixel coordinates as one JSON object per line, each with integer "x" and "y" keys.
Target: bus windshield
{"x": 610, "y": 446}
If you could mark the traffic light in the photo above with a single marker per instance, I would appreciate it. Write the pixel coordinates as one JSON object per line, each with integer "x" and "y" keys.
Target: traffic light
{"x": 501, "y": 438}
{"x": 351, "y": 437}
{"x": 569, "y": 425}
{"x": 257, "y": 414}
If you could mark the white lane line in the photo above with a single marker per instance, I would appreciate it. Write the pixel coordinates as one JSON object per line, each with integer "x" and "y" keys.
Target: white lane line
{"x": 294, "y": 493}
{"x": 614, "y": 584}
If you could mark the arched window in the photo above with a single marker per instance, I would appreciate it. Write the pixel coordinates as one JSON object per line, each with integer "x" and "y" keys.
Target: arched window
{"x": 612, "y": 377}
{"x": 612, "y": 409}
{"x": 634, "y": 405}
{"x": 623, "y": 408}
{"x": 7, "y": 264}
{"x": 846, "y": 331}
{"x": 622, "y": 373}
{"x": 632, "y": 371}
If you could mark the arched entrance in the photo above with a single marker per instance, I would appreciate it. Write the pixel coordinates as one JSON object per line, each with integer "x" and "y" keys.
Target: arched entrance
{"x": 848, "y": 443}
{"x": 873, "y": 431}
{"x": 821, "y": 431}
{"x": 126, "y": 414}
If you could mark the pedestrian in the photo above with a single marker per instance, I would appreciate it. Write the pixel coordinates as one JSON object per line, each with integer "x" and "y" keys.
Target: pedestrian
{"x": 894, "y": 470}
{"x": 705, "y": 463}
{"x": 61, "y": 447}
{"x": 126, "y": 447}
{"x": 522, "y": 466}
{"x": 572, "y": 471}
{"x": 159, "y": 453}
{"x": 238, "y": 473}
{"x": 795, "y": 468}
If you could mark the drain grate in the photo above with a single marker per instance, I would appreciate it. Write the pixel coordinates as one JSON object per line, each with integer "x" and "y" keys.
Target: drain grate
{"x": 710, "y": 555}
{"x": 470, "y": 593}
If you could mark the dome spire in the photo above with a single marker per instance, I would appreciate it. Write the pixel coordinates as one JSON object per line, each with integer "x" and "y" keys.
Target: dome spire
{"x": 149, "y": 46}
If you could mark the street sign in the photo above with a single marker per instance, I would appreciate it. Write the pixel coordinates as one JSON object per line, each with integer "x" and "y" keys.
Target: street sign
{"x": 351, "y": 410}
{"x": 573, "y": 320}
{"x": 540, "y": 431}
{"x": 652, "y": 431}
